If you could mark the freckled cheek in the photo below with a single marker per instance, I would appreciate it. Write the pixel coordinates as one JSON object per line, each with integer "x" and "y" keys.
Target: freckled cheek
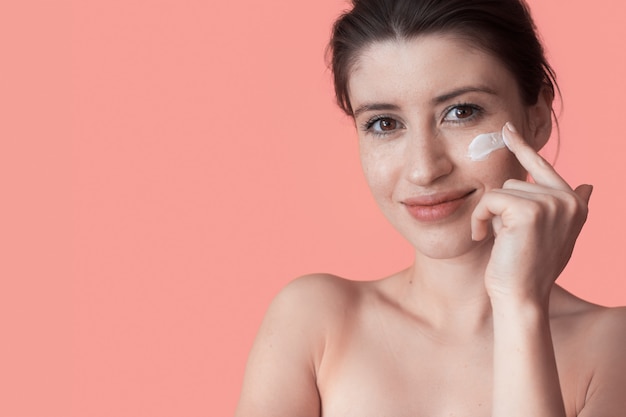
{"x": 381, "y": 174}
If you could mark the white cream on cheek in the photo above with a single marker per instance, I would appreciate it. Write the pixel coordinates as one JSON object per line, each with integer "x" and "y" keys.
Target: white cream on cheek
{"x": 483, "y": 144}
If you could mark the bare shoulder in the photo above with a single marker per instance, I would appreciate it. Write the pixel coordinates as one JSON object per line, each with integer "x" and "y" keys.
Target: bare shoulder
{"x": 606, "y": 334}
{"x": 588, "y": 321}
{"x": 569, "y": 307}
{"x": 309, "y": 300}
{"x": 609, "y": 331}
{"x": 289, "y": 346}
{"x": 317, "y": 285}
{"x": 592, "y": 340}
{"x": 316, "y": 298}
{"x": 610, "y": 319}
{"x": 606, "y": 346}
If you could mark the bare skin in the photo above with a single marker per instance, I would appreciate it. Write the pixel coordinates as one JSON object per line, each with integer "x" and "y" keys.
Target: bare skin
{"x": 338, "y": 348}
{"x": 476, "y": 326}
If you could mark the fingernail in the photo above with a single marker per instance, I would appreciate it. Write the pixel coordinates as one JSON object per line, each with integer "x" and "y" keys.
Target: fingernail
{"x": 510, "y": 126}
{"x": 505, "y": 133}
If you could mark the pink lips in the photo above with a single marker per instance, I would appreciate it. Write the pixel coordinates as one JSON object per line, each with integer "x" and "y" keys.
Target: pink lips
{"x": 435, "y": 207}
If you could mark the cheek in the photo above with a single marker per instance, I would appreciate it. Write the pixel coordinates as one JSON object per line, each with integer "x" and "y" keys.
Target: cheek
{"x": 512, "y": 167}
{"x": 376, "y": 173}
{"x": 499, "y": 167}
{"x": 381, "y": 171}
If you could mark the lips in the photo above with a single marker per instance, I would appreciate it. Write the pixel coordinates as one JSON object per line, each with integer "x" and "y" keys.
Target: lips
{"x": 436, "y": 207}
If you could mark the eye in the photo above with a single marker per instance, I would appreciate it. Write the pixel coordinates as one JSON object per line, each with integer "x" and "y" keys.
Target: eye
{"x": 385, "y": 124}
{"x": 382, "y": 125}
{"x": 462, "y": 112}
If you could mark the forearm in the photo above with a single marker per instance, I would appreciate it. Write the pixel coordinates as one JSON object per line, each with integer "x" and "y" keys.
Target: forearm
{"x": 526, "y": 381}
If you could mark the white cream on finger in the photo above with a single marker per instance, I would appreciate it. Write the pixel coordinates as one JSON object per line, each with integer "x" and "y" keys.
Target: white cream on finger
{"x": 482, "y": 145}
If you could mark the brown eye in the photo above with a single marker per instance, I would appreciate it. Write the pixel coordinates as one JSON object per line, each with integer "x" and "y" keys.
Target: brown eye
{"x": 387, "y": 124}
{"x": 462, "y": 113}
{"x": 383, "y": 125}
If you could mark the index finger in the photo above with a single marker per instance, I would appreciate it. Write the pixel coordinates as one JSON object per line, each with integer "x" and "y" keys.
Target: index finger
{"x": 538, "y": 168}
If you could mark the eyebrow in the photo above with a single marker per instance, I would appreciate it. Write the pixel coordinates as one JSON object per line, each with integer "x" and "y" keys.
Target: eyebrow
{"x": 437, "y": 100}
{"x": 376, "y": 107}
{"x": 463, "y": 90}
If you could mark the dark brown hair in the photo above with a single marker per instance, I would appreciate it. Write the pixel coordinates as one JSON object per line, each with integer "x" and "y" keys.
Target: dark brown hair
{"x": 503, "y": 28}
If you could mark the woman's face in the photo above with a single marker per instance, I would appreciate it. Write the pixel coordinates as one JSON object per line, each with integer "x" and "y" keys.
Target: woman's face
{"x": 417, "y": 105}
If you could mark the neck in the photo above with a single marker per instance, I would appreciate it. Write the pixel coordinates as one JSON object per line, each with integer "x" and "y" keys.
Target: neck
{"x": 449, "y": 294}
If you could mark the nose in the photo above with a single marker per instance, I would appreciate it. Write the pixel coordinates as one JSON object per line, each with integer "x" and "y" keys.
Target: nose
{"x": 427, "y": 159}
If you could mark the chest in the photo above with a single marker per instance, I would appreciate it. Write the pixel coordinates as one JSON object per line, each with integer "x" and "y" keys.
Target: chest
{"x": 369, "y": 371}
{"x": 374, "y": 374}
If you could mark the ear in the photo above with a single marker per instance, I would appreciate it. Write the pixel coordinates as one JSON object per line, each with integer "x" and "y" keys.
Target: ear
{"x": 540, "y": 119}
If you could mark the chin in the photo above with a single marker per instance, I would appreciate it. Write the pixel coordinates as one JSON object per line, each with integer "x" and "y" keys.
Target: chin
{"x": 443, "y": 251}
{"x": 444, "y": 243}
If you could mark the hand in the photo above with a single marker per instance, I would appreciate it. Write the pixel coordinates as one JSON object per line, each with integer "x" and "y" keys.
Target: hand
{"x": 535, "y": 227}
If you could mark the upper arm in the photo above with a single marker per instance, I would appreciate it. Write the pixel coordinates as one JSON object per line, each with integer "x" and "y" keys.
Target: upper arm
{"x": 280, "y": 378}
{"x": 606, "y": 395}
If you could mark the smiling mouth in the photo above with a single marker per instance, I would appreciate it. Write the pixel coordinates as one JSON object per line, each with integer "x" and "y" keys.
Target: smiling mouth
{"x": 437, "y": 207}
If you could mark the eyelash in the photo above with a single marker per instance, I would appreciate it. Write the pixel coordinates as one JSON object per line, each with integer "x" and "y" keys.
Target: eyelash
{"x": 477, "y": 112}
{"x": 368, "y": 125}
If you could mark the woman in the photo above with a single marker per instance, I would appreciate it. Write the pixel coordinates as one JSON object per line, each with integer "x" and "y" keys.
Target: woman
{"x": 476, "y": 326}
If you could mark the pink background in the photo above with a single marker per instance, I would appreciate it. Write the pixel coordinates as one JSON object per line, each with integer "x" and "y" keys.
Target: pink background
{"x": 166, "y": 166}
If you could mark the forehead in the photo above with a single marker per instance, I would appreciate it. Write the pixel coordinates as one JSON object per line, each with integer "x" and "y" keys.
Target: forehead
{"x": 423, "y": 68}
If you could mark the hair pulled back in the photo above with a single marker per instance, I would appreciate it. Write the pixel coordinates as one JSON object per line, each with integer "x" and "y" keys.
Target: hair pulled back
{"x": 503, "y": 28}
